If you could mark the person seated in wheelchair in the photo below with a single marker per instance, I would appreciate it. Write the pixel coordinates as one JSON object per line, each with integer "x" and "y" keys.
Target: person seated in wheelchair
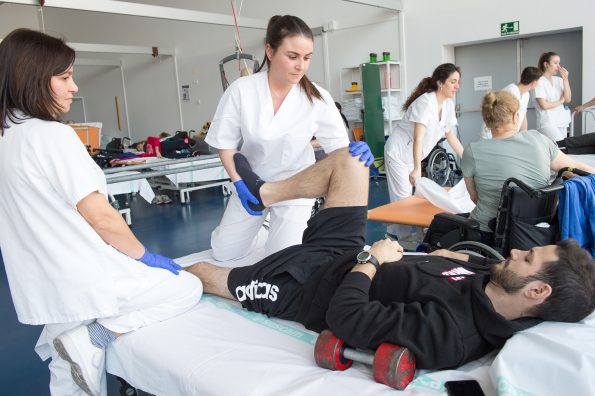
{"x": 528, "y": 156}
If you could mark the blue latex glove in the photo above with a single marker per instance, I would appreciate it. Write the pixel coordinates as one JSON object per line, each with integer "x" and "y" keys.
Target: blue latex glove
{"x": 157, "y": 261}
{"x": 246, "y": 196}
{"x": 363, "y": 150}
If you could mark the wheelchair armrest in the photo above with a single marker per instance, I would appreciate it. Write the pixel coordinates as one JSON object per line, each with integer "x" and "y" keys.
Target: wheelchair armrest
{"x": 576, "y": 171}
{"x": 459, "y": 220}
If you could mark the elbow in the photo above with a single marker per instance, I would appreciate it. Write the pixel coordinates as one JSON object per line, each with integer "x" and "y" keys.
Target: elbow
{"x": 341, "y": 323}
{"x": 101, "y": 225}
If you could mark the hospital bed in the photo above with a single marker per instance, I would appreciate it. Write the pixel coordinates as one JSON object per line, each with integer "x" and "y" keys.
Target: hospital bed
{"x": 183, "y": 175}
{"x": 189, "y": 181}
{"x": 220, "y": 349}
{"x": 140, "y": 186}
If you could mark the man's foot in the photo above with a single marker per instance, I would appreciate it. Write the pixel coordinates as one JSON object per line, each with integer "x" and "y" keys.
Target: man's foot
{"x": 86, "y": 360}
{"x": 251, "y": 179}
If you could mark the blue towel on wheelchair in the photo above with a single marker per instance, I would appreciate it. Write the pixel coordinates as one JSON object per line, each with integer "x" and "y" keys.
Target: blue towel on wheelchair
{"x": 576, "y": 211}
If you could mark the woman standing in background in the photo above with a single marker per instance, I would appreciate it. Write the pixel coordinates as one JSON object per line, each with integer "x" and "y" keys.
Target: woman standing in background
{"x": 551, "y": 93}
{"x": 429, "y": 117}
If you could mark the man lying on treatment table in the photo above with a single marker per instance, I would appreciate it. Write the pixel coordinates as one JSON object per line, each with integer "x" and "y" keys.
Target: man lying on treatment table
{"x": 447, "y": 309}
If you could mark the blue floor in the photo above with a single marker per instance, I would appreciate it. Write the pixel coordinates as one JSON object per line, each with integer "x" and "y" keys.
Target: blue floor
{"x": 173, "y": 230}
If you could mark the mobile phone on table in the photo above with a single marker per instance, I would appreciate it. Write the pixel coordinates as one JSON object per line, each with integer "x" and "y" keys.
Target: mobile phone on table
{"x": 463, "y": 388}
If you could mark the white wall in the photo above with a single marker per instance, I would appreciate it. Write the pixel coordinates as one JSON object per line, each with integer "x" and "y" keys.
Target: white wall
{"x": 151, "y": 89}
{"x": 433, "y": 27}
{"x": 350, "y": 47}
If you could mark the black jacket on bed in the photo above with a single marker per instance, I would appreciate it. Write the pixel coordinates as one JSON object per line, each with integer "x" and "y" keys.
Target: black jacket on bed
{"x": 436, "y": 307}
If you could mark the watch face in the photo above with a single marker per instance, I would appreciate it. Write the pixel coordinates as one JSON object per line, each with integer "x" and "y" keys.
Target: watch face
{"x": 363, "y": 257}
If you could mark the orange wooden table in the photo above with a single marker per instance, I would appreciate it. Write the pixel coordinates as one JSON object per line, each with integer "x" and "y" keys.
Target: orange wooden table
{"x": 412, "y": 211}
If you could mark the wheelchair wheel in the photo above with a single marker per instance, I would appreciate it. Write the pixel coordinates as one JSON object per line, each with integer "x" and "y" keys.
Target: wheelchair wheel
{"x": 479, "y": 249}
{"x": 438, "y": 168}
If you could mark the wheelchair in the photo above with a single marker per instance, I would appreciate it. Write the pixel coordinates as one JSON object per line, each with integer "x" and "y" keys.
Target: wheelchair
{"x": 526, "y": 218}
{"x": 441, "y": 166}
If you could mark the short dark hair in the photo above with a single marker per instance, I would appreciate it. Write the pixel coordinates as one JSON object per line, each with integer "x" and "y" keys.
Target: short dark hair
{"x": 529, "y": 75}
{"x": 572, "y": 278}
{"x": 29, "y": 60}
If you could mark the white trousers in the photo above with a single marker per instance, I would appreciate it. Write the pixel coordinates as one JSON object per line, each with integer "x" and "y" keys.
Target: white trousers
{"x": 148, "y": 303}
{"x": 553, "y": 132}
{"x": 236, "y": 235}
{"x": 398, "y": 163}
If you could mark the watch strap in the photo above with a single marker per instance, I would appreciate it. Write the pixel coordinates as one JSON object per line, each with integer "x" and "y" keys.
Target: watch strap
{"x": 372, "y": 260}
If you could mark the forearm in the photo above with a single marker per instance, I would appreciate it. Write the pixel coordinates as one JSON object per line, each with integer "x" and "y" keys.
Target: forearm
{"x": 226, "y": 156}
{"x": 455, "y": 143}
{"x": 563, "y": 161}
{"x": 547, "y": 105}
{"x": 524, "y": 125}
{"x": 109, "y": 224}
{"x": 567, "y": 94}
{"x": 417, "y": 144}
{"x": 114, "y": 230}
{"x": 351, "y": 315}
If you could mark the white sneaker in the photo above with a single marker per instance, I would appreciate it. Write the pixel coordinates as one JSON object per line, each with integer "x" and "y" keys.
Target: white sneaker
{"x": 86, "y": 360}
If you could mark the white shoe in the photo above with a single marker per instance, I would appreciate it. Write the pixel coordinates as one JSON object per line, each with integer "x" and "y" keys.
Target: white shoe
{"x": 86, "y": 360}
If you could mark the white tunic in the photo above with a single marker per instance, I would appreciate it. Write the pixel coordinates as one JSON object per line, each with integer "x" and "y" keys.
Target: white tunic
{"x": 277, "y": 145}
{"x": 424, "y": 110}
{"x": 558, "y": 117}
{"x": 59, "y": 269}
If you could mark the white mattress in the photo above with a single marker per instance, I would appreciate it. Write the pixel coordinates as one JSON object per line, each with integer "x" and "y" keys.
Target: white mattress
{"x": 220, "y": 349}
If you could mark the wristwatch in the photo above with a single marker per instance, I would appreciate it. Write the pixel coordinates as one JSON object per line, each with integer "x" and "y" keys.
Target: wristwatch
{"x": 364, "y": 257}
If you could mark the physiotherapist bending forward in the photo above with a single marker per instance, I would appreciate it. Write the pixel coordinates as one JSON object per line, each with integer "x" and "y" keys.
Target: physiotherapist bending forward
{"x": 271, "y": 117}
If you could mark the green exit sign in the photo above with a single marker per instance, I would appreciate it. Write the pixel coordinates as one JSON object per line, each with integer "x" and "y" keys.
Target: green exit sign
{"x": 508, "y": 28}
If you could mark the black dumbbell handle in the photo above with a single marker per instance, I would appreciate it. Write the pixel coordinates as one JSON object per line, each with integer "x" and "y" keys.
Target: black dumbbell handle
{"x": 359, "y": 356}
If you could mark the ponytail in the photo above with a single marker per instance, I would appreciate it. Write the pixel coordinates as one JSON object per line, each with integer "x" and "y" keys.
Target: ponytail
{"x": 425, "y": 85}
{"x": 430, "y": 84}
{"x": 280, "y": 27}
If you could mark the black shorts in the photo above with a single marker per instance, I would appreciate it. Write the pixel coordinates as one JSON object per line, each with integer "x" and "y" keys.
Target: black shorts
{"x": 273, "y": 286}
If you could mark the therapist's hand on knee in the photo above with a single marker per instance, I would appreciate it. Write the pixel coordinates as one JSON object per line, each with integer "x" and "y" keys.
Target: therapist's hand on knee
{"x": 157, "y": 261}
{"x": 247, "y": 197}
{"x": 362, "y": 150}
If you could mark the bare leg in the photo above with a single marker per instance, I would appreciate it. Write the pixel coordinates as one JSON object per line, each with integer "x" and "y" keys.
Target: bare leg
{"x": 213, "y": 278}
{"x": 343, "y": 178}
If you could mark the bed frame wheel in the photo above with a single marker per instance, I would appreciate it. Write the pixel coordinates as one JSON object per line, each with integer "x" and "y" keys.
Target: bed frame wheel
{"x": 393, "y": 366}
{"x": 328, "y": 352}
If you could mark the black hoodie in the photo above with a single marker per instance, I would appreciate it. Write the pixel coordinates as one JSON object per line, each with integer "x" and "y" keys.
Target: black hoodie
{"x": 436, "y": 307}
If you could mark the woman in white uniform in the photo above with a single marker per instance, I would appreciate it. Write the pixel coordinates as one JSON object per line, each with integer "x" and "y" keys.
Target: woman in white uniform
{"x": 429, "y": 116}
{"x": 551, "y": 93}
{"x": 271, "y": 118}
{"x": 72, "y": 262}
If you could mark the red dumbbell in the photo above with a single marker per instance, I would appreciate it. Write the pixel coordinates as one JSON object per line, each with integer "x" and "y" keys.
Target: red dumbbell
{"x": 392, "y": 365}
